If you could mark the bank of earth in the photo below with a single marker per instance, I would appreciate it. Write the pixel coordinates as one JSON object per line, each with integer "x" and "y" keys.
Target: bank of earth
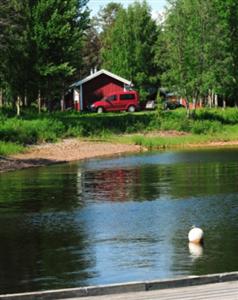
{"x": 77, "y": 149}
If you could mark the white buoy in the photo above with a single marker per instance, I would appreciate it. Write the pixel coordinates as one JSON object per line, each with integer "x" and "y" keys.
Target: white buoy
{"x": 195, "y": 235}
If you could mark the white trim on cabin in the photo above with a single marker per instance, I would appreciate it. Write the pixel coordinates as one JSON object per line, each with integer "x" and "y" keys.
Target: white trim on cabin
{"x": 103, "y": 71}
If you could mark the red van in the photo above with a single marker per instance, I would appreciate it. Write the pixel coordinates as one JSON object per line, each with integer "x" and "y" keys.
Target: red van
{"x": 128, "y": 101}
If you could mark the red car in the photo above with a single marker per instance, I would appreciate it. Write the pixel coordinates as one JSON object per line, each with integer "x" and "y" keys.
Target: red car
{"x": 128, "y": 101}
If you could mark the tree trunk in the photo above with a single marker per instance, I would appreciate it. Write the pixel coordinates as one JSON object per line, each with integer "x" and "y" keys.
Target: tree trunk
{"x": 25, "y": 100}
{"x": 200, "y": 103}
{"x": 187, "y": 108}
{"x": 209, "y": 99}
{"x": 212, "y": 99}
{"x": 62, "y": 104}
{"x": 224, "y": 102}
{"x": 194, "y": 106}
{"x": 1, "y": 98}
{"x": 39, "y": 102}
{"x": 18, "y": 106}
{"x": 194, "y": 103}
{"x": 216, "y": 100}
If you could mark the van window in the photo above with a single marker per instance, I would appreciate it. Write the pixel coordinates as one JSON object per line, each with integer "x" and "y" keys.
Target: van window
{"x": 127, "y": 96}
{"x": 112, "y": 98}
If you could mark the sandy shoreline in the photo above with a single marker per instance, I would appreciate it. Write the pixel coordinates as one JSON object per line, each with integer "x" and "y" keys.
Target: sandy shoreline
{"x": 74, "y": 150}
{"x": 64, "y": 151}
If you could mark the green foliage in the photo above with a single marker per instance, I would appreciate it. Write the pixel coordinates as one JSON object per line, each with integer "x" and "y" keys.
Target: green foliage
{"x": 228, "y": 116}
{"x": 90, "y": 51}
{"x": 107, "y": 16}
{"x": 30, "y": 132}
{"x": 197, "y": 48}
{"x": 128, "y": 47}
{"x": 206, "y": 127}
{"x": 10, "y": 148}
{"x": 58, "y": 30}
{"x": 41, "y": 47}
{"x": 95, "y": 124}
{"x": 15, "y": 69}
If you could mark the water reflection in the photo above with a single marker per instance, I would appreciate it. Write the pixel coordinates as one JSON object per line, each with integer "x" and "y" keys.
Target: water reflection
{"x": 49, "y": 251}
{"x": 196, "y": 250}
{"x": 151, "y": 182}
{"x": 115, "y": 220}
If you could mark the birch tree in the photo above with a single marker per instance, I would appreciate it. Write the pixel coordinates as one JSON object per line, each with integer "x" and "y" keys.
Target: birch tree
{"x": 129, "y": 50}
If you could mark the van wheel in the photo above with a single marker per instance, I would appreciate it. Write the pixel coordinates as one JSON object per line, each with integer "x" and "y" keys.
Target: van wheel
{"x": 131, "y": 109}
{"x": 100, "y": 110}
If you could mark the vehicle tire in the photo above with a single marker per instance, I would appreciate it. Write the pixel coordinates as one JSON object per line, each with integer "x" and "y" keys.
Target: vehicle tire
{"x": 131, "y": 109}
{"x": 100, "y": 110}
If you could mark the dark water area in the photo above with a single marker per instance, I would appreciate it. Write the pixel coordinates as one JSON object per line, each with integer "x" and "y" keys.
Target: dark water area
{"x": 118, "y": 219}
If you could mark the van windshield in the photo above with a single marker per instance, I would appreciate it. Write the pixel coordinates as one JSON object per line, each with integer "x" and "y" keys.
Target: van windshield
{"x": 110, "y": 98}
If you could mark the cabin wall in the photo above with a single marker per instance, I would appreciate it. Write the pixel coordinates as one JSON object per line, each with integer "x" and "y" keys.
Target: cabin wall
{"x": 99, "y": 87}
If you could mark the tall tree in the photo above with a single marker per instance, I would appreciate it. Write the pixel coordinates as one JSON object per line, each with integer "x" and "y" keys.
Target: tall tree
{"x": 91, "y": 49}
{"x": 198, "y": 48}
{"x": 128, "y": 47}
{"x": 107, "y": 16}
{"x": 14, "y": 48}
{"x": 58, "y": 33}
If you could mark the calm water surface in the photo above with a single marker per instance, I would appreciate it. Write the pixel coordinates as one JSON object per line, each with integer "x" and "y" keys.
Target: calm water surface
{"x": 116, "y": 220}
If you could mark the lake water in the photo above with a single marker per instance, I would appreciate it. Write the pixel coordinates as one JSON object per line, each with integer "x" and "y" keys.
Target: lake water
{"x": 118, "y": 219}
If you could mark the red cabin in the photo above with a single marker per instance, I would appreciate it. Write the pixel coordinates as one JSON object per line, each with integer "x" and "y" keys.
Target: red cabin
{"x": 96, "y": 86}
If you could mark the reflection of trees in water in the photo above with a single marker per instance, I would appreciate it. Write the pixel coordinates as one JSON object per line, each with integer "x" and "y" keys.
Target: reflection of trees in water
{"x": 42, "y": 245}
{"x": 41, "y": 189}
{"x": 151, "y": 182}
{"x": 203, "y": 179}
{"x": 43, "y": 252}
{"x": 121, "y": 184}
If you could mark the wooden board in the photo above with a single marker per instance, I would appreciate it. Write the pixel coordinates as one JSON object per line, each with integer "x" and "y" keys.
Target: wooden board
{"x": 215, "y": 291}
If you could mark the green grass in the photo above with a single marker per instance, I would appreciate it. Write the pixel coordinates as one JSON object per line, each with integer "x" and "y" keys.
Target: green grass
{"x": 10, "y": 148}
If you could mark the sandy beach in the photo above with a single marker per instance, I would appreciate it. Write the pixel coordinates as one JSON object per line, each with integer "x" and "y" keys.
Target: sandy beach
{"x": 64, "y": 151}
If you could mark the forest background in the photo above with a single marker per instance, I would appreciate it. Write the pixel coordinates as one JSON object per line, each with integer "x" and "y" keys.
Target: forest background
{"x": 47, "y": 44}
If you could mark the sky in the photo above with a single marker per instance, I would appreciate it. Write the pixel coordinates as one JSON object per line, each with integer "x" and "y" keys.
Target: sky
{"x": 156, "y": 5}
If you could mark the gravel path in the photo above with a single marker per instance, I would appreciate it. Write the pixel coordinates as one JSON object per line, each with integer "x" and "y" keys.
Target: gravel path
{"x": 64, "y": 151}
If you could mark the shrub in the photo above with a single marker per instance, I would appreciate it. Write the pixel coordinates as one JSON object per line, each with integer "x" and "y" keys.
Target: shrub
{"x": 227, "y": 116}
{"x": 30, "y": 132}
{"x": 206, "y": 127}
{"x": 10, "y": 148}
